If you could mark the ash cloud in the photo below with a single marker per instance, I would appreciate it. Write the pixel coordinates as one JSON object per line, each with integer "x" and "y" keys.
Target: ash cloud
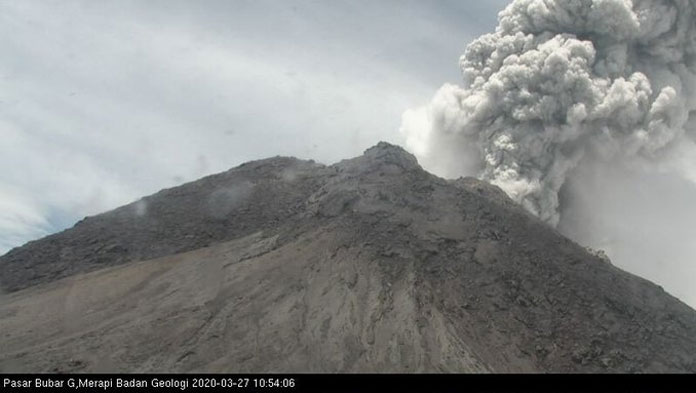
{"x": 567, "y": 104}
{"x": 559, "y": 83}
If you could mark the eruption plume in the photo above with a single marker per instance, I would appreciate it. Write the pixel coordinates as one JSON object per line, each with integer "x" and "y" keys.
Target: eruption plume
{"x": 562, "y": 84}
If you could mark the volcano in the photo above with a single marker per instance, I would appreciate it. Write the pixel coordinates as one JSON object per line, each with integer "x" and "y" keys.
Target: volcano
{"x": 371, "y": 264}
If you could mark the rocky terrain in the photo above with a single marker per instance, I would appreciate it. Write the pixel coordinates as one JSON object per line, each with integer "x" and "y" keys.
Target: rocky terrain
{"x": 367, "y": 265}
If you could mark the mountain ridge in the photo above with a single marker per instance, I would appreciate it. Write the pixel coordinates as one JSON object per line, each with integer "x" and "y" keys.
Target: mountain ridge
{"x": 370, "y": 264}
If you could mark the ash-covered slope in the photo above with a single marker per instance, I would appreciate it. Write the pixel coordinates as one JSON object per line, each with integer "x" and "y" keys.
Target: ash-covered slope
{"x": 370, "y": 264}
{"x": 255, "y": 196}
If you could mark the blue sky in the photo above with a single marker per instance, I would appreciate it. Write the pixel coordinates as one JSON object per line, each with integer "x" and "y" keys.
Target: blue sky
{"x": 104, "y": 102}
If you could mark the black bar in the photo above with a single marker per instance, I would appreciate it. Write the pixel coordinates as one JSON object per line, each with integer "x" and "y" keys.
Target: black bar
{"x": 469, "y": 383}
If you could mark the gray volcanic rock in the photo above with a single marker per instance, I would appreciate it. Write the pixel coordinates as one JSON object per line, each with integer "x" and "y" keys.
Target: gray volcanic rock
{"x": 370, "y": 264}
{"x": 252, "y": 197}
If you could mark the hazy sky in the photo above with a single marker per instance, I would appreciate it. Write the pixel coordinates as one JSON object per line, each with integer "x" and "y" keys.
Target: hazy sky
{"x": 102, "y": 102}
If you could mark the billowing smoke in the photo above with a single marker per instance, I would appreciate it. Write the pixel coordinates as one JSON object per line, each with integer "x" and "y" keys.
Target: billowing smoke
{"x": 584, "y": 111}
{"x": 560, "y": 83}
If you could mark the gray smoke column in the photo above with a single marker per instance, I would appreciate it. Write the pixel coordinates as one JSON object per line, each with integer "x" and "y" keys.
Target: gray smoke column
{"x": 561, "y": 83}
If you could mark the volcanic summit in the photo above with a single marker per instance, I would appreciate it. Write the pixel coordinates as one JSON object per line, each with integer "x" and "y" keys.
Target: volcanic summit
{"x": 368, "y": 265}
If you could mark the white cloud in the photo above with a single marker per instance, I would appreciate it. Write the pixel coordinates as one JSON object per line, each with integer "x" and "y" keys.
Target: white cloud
{"x": 103, "y": 102}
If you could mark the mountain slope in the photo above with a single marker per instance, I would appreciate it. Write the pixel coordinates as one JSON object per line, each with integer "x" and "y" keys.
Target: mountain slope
{"x": 370, "y": 264}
